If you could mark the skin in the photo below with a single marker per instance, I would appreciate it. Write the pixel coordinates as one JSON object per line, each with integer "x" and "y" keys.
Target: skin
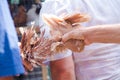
{"x": 95, "y": 34}
{"x": 62, "y": 69}
{"x": 99, "y": 33}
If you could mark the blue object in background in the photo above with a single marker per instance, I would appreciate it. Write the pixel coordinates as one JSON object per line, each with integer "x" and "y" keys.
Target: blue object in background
{"x": 10, "y": 60}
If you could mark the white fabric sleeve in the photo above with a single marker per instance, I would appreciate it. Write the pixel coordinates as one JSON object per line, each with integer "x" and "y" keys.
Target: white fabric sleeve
{"x": 58, "y": 8}
{"x": 59, "y": 56}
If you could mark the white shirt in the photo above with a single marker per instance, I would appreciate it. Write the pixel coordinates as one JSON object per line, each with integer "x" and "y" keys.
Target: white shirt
{"x": 98, "y": 61}
{"x": 55, "y": 7}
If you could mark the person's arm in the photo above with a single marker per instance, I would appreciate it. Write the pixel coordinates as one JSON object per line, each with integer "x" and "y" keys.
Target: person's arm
{"x": 62, "y": 69}
{"x": 103, "y": 34}
{"x": 99, "y": 33}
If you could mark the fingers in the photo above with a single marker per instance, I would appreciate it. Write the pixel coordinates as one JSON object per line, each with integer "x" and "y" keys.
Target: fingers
{"x": 56, "y": 35}
{"x": 87, "y": 42}
{"x": 56, "y": 38}
{"x": 74, "y": 34}
{"x": 67, "y": 36}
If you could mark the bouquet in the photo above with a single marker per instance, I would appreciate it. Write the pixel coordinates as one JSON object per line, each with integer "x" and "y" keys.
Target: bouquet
{"x": 35, "y": 48}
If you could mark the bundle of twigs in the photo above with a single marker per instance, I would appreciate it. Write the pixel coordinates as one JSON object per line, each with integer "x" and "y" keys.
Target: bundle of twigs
{"x": 35, "y": 49}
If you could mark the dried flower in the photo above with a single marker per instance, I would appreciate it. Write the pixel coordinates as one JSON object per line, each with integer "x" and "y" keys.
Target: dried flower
{"x": 36, "y": 48}
{"x": 60, "y": 26}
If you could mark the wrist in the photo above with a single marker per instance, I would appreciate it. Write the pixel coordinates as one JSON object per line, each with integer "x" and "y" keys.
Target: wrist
{"x": 91, "y": 34}
{"x": 86, "y": 35}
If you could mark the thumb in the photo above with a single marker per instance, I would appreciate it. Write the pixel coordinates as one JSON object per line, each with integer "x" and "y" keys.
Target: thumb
{"x": 72, "y": 35}
{"x": 67, "y": 36}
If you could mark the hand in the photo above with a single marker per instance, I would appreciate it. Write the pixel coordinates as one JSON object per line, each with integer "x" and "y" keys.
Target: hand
{"x": 60, "y": 26}
{"x": 74, "y": 34}
{"x": 78, "y": 34}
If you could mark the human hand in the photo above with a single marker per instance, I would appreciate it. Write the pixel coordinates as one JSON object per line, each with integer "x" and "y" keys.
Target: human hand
{"x": 74, "y": 34}
{"x": 60, "y": 26}
{"x": 79, "y": 34}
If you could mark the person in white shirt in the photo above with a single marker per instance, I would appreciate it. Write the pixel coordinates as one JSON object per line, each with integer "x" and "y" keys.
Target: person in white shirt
{"x": 97, "y": 61}
{"x": 57, "y": 7}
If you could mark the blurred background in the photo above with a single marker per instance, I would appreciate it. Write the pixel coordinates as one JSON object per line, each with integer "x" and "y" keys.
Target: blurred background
{"x": 24, "y": 13}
